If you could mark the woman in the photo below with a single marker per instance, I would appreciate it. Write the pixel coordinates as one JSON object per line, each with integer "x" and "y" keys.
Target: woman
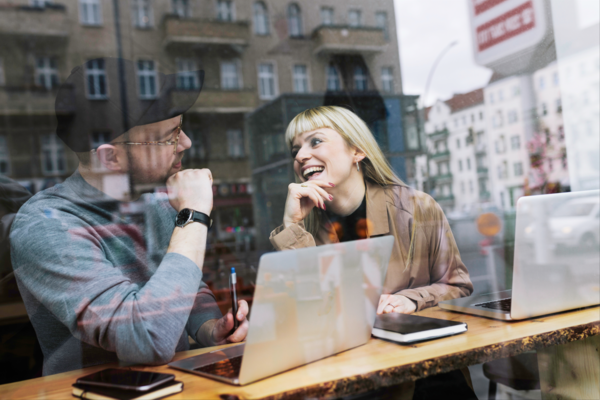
{"x": 348, "y": 191}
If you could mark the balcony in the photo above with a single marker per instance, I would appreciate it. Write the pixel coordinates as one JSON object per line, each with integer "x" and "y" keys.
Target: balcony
{"x": 484, "y": 195}
{"x": 218, "y": 101}
{"x": 49, "y": 22}
{"x": 445, "y": 200}
{"x": 443, "y": 178}
{"x": 482, "y": 171}
{"x": 438, "y": 135}
{"x": 21, "y": 101}
{"x": 439, "y": 155}
{"x": 198, "y": 32}
{"x": 348, "y": 40}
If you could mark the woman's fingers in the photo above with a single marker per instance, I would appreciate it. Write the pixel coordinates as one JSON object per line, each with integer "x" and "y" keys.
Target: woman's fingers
{"x": 322, "y": 193}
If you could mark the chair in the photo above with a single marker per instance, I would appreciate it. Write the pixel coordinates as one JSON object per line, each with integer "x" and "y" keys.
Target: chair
{"x": 518, "y": 372}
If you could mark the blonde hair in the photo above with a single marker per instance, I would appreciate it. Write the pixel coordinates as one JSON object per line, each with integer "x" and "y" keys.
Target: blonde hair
{"x": 356, "y": 134}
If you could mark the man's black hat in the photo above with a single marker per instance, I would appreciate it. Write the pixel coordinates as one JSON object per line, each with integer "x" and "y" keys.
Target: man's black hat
{"x": 104, "y": 96}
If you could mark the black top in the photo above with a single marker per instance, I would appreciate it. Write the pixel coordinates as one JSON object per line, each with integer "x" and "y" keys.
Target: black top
{"x": 350, "y": 227}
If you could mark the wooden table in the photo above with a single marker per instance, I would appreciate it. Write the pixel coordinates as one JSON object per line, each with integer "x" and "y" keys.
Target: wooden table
{"x": 380, "y": 363}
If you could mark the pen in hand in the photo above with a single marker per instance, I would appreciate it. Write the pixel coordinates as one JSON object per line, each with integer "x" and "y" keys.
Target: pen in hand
{"x": 234, "y": 302}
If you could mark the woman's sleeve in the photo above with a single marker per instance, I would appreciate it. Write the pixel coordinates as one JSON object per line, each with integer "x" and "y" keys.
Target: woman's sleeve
{"x": 294, "y": 236}
{"x": 449, "y": 278}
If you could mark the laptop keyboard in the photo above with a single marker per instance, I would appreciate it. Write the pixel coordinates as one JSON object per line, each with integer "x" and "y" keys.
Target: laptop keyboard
{"x": 503, "y": 305}
{"x": 229, "y": 368}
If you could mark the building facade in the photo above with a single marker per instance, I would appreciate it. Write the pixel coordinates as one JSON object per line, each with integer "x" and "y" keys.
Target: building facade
{"x": 252, "y": 52}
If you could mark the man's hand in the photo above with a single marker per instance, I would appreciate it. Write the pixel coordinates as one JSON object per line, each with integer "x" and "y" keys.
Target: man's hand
{"x": 389, "y": 303}
{"x": 221, "y": 333}
{"x": 191, "y": 188}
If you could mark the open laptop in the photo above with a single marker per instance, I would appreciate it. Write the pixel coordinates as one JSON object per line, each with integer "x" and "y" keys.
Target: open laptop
{"x": 556, "y": 260}
{"x": 308, "y": 304}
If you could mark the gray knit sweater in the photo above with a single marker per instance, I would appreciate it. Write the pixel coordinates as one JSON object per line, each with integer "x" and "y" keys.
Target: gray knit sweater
{"x": 100, "y": 289}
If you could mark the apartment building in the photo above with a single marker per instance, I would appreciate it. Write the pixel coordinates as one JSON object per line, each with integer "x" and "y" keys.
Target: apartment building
{"x": 457, "y": 146}
{"x": 252, "y": 52}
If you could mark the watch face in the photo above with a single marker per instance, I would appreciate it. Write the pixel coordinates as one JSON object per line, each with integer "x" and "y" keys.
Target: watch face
{"x": 183, "y": 216}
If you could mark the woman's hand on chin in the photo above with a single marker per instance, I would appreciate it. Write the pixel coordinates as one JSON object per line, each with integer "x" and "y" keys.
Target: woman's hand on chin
{"x": 301, "y": 199}
{"x": 389, "y": 303}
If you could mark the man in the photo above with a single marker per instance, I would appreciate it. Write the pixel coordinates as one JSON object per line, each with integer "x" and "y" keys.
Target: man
{"x": 93, "y": 285}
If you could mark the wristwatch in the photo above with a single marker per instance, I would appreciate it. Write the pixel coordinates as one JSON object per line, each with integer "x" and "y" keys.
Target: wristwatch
{"x": 187, "y": 216}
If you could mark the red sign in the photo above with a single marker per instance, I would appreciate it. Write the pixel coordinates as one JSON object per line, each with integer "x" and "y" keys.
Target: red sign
{"x": 506, "y": 26}
{"x": 484, "y": 5}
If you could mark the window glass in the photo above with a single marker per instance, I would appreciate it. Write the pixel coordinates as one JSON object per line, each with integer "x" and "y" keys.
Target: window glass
{"x": 235, "y": 143}
{"x": 181, "y": 8}
{"x": 53, "y": 155}
{"x": 294, "y": 20}
{"x": 46, "y": 73}
{"x": 261, "y": 18}
{"x": 187, "y": 74}
{"x": 300, "y": 79}
{"x": 333, "y": 78}
{"x": 4, "y": 156}
{"x": 90, "y": 12}
{"x": 230, "y": 78}
{"x": 225, "y": 10}
{"x": 387, "y": 80}
{"x": 327, "y": 16}
{"x": 96, "y": 80}
{"x": 355, "y": 18}
{"x": 147, "y": 79}
{"x": 360, "y": 79}
{"x": 381, "y": 20}
{"x": 142, "y": 13}
{"x": 266, "y": 81}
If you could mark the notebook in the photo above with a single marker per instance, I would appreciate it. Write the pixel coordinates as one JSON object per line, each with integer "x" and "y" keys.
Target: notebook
{"x": 104, "y": 393}
{"x": 406, "y": 328}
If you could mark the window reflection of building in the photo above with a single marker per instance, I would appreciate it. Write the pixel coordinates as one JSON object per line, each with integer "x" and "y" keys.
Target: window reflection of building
{"x": 360, "y": 79}
{"x": 46, "y": 72}
{"x": 187, "y": 74}
{"x": 294, "y": 20}
{"x": 355, "y": 18}
{"x": 142, "y": 13}
{"x": 381, "y": 22}
{"x": 96, "y": 80}
{"x": 147, "y": 79}
{"x": 181, "y": 8}
{"x": 300, "y": 79}
{"x": 225, "y": 10}
{"x": 90, "y": 12}
{"x": 230, "y": 77}
{"x": 235, "y": 143}
{"x": 333, "y": 78}
{"x": 261, "y": 18}
{"x": 327, "y": 16}
{"x": 4, "y": 157}
{"x": 266, "y": 81}
{"x": 387, "y": 80}
{"x": 53, "y": 155}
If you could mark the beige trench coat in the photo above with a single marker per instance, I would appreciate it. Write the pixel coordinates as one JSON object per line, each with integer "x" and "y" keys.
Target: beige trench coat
{"x": 436, "y": 272}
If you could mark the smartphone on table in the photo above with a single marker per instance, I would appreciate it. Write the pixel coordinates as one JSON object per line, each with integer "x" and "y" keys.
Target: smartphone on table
{"x": 126, "y": 379}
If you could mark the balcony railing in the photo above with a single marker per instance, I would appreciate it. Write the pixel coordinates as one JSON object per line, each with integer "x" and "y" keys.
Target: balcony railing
{"x": 484, "y": 195}
{"x": 482, "y": 171}
{"x": 439, "y": 155}
{"x": 346, "y": 39}
{"x": 443, "y": 177}
{"x": 218, "y": 101}
{"x": 21, "y": 101}
{"x": 50, "y": 22}
{"x": 445, "y": 198}
{"x": 439, "y": 134}
{"x": 189, "y": 31}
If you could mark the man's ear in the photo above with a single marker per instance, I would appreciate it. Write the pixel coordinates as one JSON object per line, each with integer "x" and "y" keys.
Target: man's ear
{"x": 109, "y": 157}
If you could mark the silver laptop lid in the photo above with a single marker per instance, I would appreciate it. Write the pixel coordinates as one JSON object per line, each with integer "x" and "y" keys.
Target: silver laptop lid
{"x": 312, "y": 303}
{"x": 557, "y": 253}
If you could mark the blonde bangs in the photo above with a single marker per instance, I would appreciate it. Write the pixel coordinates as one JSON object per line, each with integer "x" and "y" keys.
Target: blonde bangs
{"x": 307, "y": 121}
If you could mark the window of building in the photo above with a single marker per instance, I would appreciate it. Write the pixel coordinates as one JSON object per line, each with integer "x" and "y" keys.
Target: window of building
{"x": 387, "y": 80}
{"x": 294, "y": 20}
{"x": 225, "y": 10}
{"x": 470, "y": 186}
{"x": 53, "y": 155}
{"x": 261, "y": 19}
{"x": 464, "y": 119}
{"x": 382, "y": 22}
{"x": 187, "y": 74}
{"x": 541, "y": 82}
{"x": 472, "y": 117}
{"x": 458, "y": 143}
{"x": 491, "y": 98}
{"x": 235, "y": 143}
{"x": 355, "y": 18}
{"x": 456, "y": 122}
{"x": 468, "y": 164}
{"x": 518, "y": 167}
{"x": 46, "y": 72}
{"x": 559, "y": 105}
{"x": 2, "y": 78}
{"x": 90, "y": 12}
{"x": 181, "y": 8}
{"x": 500, "y": 95}
{"x": 4, "y": 157}
{"x": 147, "y": 79}
{"x": 360, "y": 78}
{"x": 544, "y": 109}
{"x": 230, "y": 76}
{"x": 555, "y": 78}
{"x": 462, "y": 187}
{"x": 512, "y": 116}
{"x": 198, "y": 150}
{"x": 516, "y": 91}
{"x": 497, "y": 119}
{"x": 326, "y": 16}
{"x": 500, "y": 145}
{"x": 460, "y": 167}
{"x": 142, "y": 13}
{"x": 96, "y": 80}
{"x": 481, "y": 115}
{"x": 333, "y": 79}
{"x": 300, "y": 78}
{"x": 515, "y": 142}
{"x": 266, "y": 81}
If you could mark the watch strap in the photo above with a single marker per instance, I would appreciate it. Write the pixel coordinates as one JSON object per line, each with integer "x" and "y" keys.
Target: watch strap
{"x": 198, "y": 216}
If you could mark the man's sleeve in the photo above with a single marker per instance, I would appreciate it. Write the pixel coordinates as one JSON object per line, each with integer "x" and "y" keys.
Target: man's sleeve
{"x": 62, "y": 262}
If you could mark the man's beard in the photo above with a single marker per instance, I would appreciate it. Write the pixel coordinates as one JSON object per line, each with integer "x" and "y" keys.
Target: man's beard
{"x": 138, "y": 174}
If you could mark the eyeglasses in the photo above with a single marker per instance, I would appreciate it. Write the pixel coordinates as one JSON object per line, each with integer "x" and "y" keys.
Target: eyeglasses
{"x": 173, "y": 141}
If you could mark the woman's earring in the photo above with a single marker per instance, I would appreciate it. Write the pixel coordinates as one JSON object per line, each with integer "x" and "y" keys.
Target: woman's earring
{"x": 357, "y": 168}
